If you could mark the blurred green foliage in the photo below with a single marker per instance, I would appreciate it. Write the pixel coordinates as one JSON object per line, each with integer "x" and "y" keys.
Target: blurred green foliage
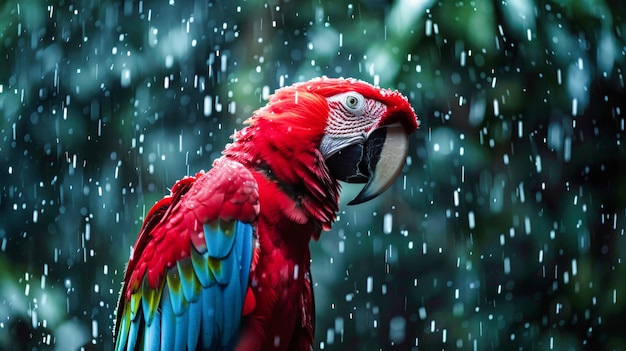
{"x": 506, "y": 230}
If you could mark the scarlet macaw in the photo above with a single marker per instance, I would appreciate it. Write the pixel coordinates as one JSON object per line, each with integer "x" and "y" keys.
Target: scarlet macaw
{"x": 223, "y": 262}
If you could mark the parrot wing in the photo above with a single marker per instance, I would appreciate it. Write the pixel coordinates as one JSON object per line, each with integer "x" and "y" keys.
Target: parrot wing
{"x": 186, "y": 283}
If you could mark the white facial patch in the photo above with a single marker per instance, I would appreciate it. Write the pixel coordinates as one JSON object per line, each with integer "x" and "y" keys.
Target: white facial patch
{"x": 351, "y": 114}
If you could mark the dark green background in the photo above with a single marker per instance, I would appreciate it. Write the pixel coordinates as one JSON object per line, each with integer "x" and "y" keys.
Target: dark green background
{"x": 504, "y": 232}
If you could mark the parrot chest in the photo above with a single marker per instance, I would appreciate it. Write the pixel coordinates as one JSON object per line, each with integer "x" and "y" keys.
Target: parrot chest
{"x": 280, "y": 280}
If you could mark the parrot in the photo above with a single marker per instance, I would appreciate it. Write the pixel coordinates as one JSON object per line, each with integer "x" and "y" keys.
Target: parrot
{"x": 223, "y": 261}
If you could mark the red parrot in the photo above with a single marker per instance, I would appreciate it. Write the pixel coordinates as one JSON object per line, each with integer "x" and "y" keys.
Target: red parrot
{"x": 223, "y": 262}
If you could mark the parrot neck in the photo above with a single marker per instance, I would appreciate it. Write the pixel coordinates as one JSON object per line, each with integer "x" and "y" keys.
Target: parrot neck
{"x": 299, "y": 172}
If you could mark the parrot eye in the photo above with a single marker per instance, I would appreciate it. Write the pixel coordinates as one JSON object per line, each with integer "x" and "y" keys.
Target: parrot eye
{"x": 354, "y": 101}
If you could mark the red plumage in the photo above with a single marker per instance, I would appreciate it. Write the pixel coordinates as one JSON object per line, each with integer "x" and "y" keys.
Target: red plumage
{"x": 274, "y": 176}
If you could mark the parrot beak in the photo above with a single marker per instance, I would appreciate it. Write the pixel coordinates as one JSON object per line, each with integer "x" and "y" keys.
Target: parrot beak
{"x": 376, "y": 161}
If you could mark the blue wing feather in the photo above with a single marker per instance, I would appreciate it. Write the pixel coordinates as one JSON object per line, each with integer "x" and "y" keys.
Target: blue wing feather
{"x": 123, "y": 328}
{"x": 219, "y": 238}
{"x": 232, "y": 307}
{"x": 201, "y": 267}
{"x": 182, "y": 329}
{"x": 193, "y": 325}
{"x": 218, "y": 316}
{"x": 168, "y": 321}
{"x": 132, "y": 333}
{"x": 243, "y": 251}
{"x": 152, "y": 333}
{"x": 189, "y": 280}
{"x": 175, "y": 289}
{"x": 150, "y": 300}
{"x": 222, "y": 270}
{"x": 209, "y": 321}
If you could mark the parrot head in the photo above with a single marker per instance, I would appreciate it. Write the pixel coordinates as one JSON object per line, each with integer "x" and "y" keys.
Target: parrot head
{"x": 327, "y": 130}
{"x": 366, "y": 137}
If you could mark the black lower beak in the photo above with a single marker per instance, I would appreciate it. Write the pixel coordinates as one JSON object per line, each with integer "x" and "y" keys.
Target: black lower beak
{"x": 377, "y": 161}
